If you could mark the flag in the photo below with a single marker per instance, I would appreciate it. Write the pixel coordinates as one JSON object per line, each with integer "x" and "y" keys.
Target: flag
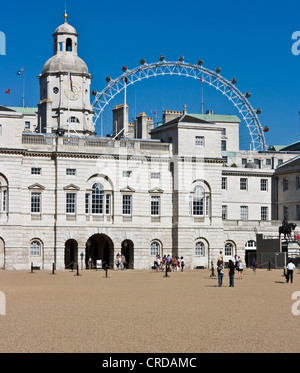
{"x": 19, "y": 72}
{"x": 201, "y": 80}
{"x": 155, "y": 111}
{"x": 8, "y": 91}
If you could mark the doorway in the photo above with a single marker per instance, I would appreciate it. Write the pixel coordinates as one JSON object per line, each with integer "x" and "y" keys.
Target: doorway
{"x": 127, "y": 250}
{"x": 99, "y": 247}
{"x": 71, "y": 253}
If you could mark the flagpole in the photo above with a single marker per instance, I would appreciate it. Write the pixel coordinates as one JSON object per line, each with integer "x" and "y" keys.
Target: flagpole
{"x": 23, "y": 86}
{"x": 125, "y": 117}
{"x": 202, "y": 104}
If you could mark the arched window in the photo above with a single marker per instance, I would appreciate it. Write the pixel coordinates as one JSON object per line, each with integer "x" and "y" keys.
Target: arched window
{"x": 69, "y": 45}
{"x": 228, "y": 249}
{"x": 155, "y": 248}
{"x": 73, "y": 120}
{"x": 3, "y": 195}
{"x": 35, "y": 248}
{"x": 97, "y": 198}
{"x": 251, "y": 243}
{"x": 200, "y": 249}
{"x": 198, "y": 201}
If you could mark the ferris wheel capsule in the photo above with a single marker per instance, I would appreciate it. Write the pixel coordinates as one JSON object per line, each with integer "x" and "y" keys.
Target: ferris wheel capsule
{"x": 108, "y": 79}
{"x": 161, "y": 58}
{"x": 124, "y": 68}
{"x": 142, "y": 61}
{"x": 258, "y": 111}
{"x": 200, "y": 62}
{"x": 181, "y": 58}
{"x": 266, "y": 129}
{"x": 218, "y": 70}
{"x": 247, "y": 94}
{"x": 233, "y": 80}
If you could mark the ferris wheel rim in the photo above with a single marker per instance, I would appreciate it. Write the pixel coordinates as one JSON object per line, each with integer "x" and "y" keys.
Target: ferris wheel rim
{"x": 196, "y": 71}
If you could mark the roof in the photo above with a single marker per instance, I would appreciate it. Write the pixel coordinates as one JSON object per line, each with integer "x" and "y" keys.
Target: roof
{"x": 24, "y": 110}
{"x": 217, "y": 118}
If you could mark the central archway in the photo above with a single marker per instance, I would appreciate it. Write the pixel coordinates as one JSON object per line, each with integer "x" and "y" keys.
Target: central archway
{"x": 99, "y": 247}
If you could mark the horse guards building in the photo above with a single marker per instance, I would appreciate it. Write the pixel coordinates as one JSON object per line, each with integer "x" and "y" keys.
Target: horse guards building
{"x": 182, "y": 188}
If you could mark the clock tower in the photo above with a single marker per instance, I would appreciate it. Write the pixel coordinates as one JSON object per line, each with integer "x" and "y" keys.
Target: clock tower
{"x": 65, "y": 87}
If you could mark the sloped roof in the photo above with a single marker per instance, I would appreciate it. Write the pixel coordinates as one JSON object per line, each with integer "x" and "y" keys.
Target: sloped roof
{"x": 24, "y": 110}
{"x": 217, "y": 118}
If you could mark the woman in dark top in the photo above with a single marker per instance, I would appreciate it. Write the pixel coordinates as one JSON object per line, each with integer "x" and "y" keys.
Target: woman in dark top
{"x": 231, "y": 273}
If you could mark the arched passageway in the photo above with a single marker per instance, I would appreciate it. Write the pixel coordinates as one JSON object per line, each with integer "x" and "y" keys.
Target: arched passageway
{"x": 99, "y": 247}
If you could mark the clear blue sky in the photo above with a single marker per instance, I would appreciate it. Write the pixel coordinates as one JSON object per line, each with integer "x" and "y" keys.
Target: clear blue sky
{"x": 249, "y": 40}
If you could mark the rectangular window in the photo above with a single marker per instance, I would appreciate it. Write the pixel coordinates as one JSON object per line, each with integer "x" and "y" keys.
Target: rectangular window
{"x": 70, "y": 203}
{"x": 224, "y": 183}
{"x": 297, "y": 182}
{"x": 268, "y": 162}
{"x": 244, "y": 161}
{"x": 27, "y": 125}
{"x": 199, "y": 140}
{"x": 263, "y": 185}
{"x": 223, "y": 145}
{"x": 35, "y": 203}
{"x": 280, "y": 161}
{"x": 244, "y": 212}
{"x": 264, "y": 213}
{"x": 71, "y": 172}
{"x": 35, "y": 171}
{"x": 127, "y": 199}
{"x": 4, "y": 201}
{"x": 243, "y": 183}
{"x": 107, "y": 205}
{"x": 155, "y": 175}
{"x": 223, "y": 132}
{"x": 285, "y": 184}
{"x": 224, "y": 212}
{"x": 155, "y": 205}
{"x": 87, "y": 203}
{"x": 126, "y": 173}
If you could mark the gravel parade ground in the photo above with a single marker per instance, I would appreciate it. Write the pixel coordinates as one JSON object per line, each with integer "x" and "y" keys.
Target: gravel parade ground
{"x": 145, "y": 312}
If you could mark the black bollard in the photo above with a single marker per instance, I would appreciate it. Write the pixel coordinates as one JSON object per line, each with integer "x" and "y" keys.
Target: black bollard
{"x": 166, "y": 275}
{"x": 212, "y": 270}
{"x": 31, "y": 267}
{"x": 106, "y": 267}
{"x": 77, "y": 271}
{"x": 269, "y": 266}
{"x": 53, "y": 268}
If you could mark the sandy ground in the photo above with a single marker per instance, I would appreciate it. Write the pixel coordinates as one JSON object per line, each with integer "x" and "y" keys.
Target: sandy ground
{"x": 144, "y": 312}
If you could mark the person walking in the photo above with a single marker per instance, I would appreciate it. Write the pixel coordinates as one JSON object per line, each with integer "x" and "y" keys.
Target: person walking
{"x": 220, "y": 269}
{"x": 290, "y": 270}
{"x": 182, "y": 263}
{"x": 236, "y": 259}
{"x": 240, "y": 268}
{"x": 254, "y": 265}
{"x": 231, "y": 267}
{"x": 123, "y": 261}
{"x": 158, "y": 263}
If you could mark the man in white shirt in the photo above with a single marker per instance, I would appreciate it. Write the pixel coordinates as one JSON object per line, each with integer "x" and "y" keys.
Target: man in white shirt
{"x": 290, "y": 269}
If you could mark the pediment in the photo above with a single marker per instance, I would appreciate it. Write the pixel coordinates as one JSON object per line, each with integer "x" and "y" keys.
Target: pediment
{"x": 156, "y": 190}
{"x": 127, "y": 189}
{"x": 71, "y": 187}
{"x": 36, "y": 186}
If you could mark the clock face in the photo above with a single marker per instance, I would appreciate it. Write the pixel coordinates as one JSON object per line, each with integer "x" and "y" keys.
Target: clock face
{"x": 72, "y": 92}
{"x": 55, "y": 90}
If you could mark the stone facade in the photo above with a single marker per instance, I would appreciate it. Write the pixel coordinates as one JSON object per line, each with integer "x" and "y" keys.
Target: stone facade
{"x": 183, "y": 188}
